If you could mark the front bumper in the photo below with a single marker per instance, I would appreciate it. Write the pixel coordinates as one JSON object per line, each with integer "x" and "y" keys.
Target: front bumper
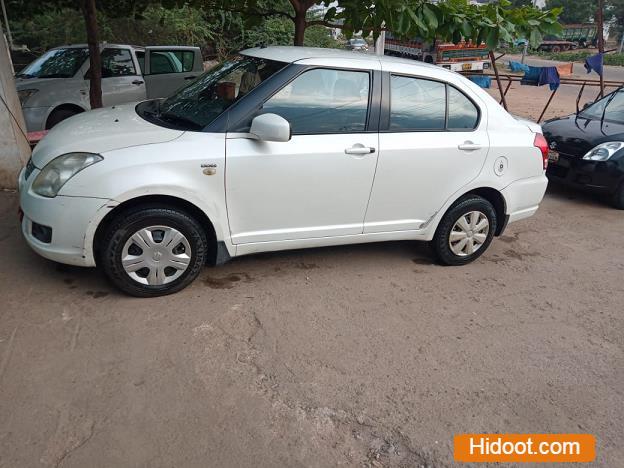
{"x": 601, "y": 176}
{"x": 73, "y": 221}
{"x": 35, "y": 118}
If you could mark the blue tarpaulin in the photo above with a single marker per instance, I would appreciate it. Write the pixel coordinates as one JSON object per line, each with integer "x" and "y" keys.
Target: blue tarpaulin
{"x": 482, "y": 81}
{"x": 518, "y": 67}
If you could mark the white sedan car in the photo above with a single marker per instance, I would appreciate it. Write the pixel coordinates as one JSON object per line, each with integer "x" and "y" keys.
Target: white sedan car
{"x": 281, "y": 148}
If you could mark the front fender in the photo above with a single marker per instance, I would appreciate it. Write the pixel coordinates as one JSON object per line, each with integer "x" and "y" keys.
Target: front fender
{"x": 174, "y": 168}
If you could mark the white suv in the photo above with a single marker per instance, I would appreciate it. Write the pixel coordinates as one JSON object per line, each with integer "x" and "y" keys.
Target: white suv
{"x": 281, "y": 148}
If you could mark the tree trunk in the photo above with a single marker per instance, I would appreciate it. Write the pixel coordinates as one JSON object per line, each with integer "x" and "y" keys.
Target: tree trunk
{"x": 300, "y": 27}
{"x": 95, "y": 60}
{"x": 600, "y": 26}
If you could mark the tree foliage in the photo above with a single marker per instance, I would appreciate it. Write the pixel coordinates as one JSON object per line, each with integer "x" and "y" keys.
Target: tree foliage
{"x": 448, "y": 20}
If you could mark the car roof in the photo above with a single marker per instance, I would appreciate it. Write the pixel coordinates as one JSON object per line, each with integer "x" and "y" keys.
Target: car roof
{"x": 102, "y": 44}
{"x": 291, "y": 54}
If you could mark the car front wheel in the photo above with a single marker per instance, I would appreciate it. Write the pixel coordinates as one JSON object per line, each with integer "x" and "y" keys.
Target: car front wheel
{"x": 465, "y": 231}
{"x": 618, "y": 197}
{"x": 152, "y": 252}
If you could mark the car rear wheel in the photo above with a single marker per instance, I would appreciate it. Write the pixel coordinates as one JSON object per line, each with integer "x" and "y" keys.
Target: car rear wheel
{"x": 465, "y": 232}
{"x": 152, "y": 252}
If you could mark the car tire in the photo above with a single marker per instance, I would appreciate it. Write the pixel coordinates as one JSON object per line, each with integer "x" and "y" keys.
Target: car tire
{"x": 618, "y": 197}
{"x": 58, "y": 115}
{"x": 139, "y": 255}
{"x": 472, "y": 218}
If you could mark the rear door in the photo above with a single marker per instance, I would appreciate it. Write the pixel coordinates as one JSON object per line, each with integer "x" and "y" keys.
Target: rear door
{"x": 433, "y": 140}
{"x": 169, "y": 68}
{"x": 121, "y": 78}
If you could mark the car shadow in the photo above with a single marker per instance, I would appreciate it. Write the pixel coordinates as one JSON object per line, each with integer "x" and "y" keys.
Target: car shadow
{"x": 563, "y": 192}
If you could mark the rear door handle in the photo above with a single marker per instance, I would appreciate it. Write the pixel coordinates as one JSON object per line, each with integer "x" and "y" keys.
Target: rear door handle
{"x": 137, "y": 82}
{"x": 469, "y": 146}
{"x": 359, "y": 149}
{"x": 190, "y": 77}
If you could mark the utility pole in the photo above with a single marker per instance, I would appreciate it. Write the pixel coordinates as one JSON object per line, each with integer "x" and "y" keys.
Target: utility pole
{"x": 525, "y": 49}
{"x": 600, "y": 26}
{"x": 8, "y": 28}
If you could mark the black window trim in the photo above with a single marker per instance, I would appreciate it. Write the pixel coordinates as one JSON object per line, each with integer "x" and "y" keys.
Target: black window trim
{"x": 246, "y": 108}
{"x": 387, "y": 110}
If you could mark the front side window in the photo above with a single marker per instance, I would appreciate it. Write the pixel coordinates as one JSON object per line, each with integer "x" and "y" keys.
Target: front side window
{"x": 56, "y": 63}
{"x": 196, "y": 105}
{"x": 117, "y": 62}
{"x": 323, "y": 101}
{"x": 418, "y": 104}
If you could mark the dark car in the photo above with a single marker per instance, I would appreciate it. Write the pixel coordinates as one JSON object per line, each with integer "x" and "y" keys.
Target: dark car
{"x": 587, "y": 149}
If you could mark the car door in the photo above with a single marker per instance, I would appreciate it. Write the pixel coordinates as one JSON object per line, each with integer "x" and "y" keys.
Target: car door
{"x": 433, "y": 140}
{"x": 121, "y": 80}
{"x": 168, "y": 69}
{"x": 318, "y": 183}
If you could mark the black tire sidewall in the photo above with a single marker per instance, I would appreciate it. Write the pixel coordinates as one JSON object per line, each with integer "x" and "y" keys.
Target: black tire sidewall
{"x": 129, "y": 223}
{"x": 618, "y": 197}
{"x": 440, "y": 242}
{"x": 58, "y": 116}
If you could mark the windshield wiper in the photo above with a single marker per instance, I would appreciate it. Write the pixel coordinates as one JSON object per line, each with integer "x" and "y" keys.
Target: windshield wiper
{"x": 23, "y": 75}
{"x": 177, "y": 119}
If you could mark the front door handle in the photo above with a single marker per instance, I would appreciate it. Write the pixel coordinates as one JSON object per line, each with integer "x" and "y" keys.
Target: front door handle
{"x": 359, "y": 149}
{"x": 137, "y": 82}
{"x": 469, "y": 146}
{"x": 190, "y": 77}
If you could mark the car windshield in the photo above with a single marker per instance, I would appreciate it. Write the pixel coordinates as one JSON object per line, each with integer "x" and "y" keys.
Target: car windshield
{"x": 56, "y": 63}
{"x": 611, "y": 107}
{"x": 196, "y": 105}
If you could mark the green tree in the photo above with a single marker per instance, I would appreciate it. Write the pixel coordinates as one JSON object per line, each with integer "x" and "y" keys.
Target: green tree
{"x": 574, "y": 11}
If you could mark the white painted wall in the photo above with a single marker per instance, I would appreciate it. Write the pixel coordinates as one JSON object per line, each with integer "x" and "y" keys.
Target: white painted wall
{"x": 14, "y": 148}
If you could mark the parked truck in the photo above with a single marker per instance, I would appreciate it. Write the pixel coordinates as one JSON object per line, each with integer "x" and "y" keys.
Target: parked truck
{"x": 56, "y": 85}
{"x": 572, "y": 37}
{"x": 464, "y": 56}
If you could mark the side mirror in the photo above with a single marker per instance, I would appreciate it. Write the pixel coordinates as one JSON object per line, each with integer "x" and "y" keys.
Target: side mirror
{"x": 270, "y": 127}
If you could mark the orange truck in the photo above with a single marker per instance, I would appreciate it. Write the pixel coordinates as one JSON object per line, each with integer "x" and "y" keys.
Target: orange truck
{"x": 464, "y": 56}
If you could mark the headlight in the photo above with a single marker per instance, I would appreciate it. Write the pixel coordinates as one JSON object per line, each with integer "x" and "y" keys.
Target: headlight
{"x": 604, "y": 151}
{"x": 25, "y": 94}
{"x": 58, "y": 171}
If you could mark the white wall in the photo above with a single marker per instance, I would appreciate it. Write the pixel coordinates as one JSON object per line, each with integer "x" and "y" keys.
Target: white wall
{"x": 14, "y": 148}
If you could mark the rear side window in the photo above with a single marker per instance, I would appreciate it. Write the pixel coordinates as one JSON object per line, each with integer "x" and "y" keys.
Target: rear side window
{"x": 323, "y": 101}
{"x": 141, "y": 59}
{"x": 418, "y": 104}
{"x": 171, "y": 61}
{"x": 117, "y": 62}
{"x": 462, "y": 113}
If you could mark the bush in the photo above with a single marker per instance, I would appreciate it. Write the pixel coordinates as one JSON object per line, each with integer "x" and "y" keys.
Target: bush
{"x": 580, "y": 56}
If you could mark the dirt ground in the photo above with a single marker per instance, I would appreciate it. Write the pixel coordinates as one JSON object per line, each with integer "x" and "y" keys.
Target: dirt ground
{"x": 366, "y": 355}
